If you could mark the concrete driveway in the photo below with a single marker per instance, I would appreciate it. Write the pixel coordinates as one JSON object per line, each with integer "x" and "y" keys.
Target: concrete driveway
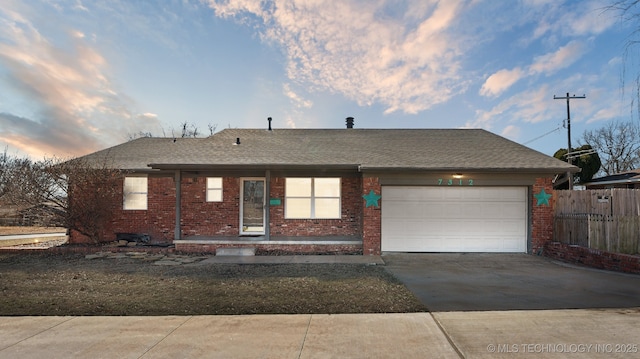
{"x": 481, "y": 282}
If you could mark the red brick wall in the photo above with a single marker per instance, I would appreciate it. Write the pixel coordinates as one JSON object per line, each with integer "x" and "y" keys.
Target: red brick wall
{"x": 349, "y": 224}
{"x": 202, "y": 218}
{"x": 593, "y": 257}
{"x": 372, "y": 218}
{"x": 222, "y": 218}
{"x": 542, "y": 226}
{"x": 271, "y": 249}
{"x": 158, "y": 220}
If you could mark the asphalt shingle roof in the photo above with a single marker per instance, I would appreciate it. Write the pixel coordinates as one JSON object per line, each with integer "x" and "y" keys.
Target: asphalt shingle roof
{"x": 622, "y": 177}
{"x": 368, "y": 149}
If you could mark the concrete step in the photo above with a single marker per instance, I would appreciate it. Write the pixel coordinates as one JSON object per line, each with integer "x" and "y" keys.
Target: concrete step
{"x": 235, "y": 252}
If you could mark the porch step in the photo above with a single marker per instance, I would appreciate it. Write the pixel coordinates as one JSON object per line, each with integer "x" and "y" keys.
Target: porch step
{"x": 235, "y": 252}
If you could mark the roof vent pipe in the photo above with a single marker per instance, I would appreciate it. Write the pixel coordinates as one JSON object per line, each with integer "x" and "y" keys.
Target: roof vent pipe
{"x": 269, "y": 119}
{"x": 237, "y": 140}
{"x": 349, "y": 122}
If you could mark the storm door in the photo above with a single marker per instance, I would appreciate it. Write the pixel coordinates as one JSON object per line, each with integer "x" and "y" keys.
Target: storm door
{"x": 252, "y": 206}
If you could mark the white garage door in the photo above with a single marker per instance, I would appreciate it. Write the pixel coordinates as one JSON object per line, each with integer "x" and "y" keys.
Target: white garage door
{"x": 454, "y": 219}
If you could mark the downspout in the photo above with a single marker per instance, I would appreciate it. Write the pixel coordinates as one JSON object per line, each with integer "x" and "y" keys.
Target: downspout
{"x": 530, "y": 221}
{"x": 178, "y": 181}
{"x": 267, "y": 205}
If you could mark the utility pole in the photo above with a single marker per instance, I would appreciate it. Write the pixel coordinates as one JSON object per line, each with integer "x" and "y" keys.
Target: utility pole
{"x": 569, "y": 158}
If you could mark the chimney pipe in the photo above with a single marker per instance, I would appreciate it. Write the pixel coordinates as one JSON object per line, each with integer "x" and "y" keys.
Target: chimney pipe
{"x": 349, "y": 122}
{"x": 269, "y": 119}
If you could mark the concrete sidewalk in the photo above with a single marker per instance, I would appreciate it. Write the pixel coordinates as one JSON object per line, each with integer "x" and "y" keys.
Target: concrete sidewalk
{"x": 20, "y": 239}
{"x": 255, "y": 336}
{"x": 554, "y": 334}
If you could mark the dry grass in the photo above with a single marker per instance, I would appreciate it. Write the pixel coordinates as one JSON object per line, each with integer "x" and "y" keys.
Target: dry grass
{"x": 46, "y": 284}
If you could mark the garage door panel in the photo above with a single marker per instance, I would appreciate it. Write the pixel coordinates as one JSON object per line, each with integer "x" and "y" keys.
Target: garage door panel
{"x": 513, "y": 194}
{"x": 450, "y": 219}
{"x": 486, "y": 245}
{"x": 513, "y": 210}
{"x": 452, "y": 194}
{"x": 511, "y": 228}
{"x": 415, "y": 208}
{"x": 471, "y": 210}
{"x": 495, "y": 193}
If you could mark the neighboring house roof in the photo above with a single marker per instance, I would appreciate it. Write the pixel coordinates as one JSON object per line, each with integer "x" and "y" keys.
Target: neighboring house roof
{"x": 627, "y": 177}
{"x": 364, "y": 149}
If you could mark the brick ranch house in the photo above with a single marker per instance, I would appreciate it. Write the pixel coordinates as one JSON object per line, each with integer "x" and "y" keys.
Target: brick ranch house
{"x": 335, "y": 191}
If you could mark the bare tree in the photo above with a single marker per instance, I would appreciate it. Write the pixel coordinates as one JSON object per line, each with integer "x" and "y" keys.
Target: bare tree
{"x": 186, "y": 130}
{"x": 189, "y": 130}
{"x": 629, "y": 11}
{"x": 80, "y": 194}
{"x": 93, "y": 194}
{"x": 212, "y": 128}
{"x": 617, "y": 144}
{"x": 5, "y": 163}
{"x": 139, "y": 134}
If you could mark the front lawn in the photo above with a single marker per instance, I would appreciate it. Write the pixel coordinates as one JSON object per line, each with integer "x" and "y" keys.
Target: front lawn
{"x": 66, "y": 284}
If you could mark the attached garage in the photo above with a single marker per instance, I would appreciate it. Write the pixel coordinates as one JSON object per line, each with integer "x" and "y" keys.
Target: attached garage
{"x": 454, "y": 219}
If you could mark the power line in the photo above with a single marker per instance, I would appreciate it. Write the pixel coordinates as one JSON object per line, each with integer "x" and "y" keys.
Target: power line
{"x": 543, "y": 135}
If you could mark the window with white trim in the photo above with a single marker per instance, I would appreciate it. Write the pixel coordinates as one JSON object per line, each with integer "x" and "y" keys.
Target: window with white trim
{"x": 135, "y": 193}
{"x": 312, "y": 198}
{"x": 214, "y": 189}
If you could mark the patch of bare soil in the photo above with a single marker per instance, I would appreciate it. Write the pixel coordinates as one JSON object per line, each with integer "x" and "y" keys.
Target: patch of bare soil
{"x": 69, "y": 284}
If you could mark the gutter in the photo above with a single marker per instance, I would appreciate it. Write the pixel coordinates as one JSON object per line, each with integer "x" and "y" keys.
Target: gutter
{"x": 275, "y": 166}
{"x": 353, "y": 167}
{"x": 629, "y": 181}
{"x": 572, "y": 169}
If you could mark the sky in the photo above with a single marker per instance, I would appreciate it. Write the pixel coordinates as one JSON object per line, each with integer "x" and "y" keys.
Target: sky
{"x": 77, "y": 76}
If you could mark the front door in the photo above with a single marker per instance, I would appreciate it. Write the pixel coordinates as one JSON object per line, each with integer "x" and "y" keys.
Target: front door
{"x": 252, "y": 206}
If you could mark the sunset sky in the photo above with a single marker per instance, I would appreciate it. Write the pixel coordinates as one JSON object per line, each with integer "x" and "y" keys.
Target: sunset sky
{"x": 78, "y": 76}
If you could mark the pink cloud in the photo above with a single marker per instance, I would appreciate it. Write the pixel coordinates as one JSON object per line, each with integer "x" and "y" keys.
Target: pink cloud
{"x": 501, "y": 81}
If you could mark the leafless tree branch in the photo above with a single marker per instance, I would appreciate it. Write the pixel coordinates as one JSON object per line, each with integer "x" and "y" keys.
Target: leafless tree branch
{"x": 617, "y": 144}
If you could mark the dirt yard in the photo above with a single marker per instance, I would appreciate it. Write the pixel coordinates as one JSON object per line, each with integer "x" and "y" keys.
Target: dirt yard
{"x": 66, "y": 284}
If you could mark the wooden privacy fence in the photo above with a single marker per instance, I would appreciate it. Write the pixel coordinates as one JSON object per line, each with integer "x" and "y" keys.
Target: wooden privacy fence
{"x": 608, "y": 220}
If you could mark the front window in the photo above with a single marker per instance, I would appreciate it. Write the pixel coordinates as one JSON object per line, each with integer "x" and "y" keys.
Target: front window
{"x": 312, "y": 198}
{"x": 135, "y": 193}
{"x": 214, "y": 189}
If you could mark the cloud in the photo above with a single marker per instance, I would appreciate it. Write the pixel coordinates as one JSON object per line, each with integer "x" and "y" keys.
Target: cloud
{"x": 76, "y": 109}
{"x": 562, "y": 58}
{"x": 296, "y": 99}
{"x": 512, "y": 132}
{"x": 589, "y": 18}
{"x": 529, "y": 106}
{"x": 501, "y": 81}
{"x": 536, "y": 105}
{"x": 80, "y": 6}
{"x": 406, "y": 60}
{"x": 546, "y": 64}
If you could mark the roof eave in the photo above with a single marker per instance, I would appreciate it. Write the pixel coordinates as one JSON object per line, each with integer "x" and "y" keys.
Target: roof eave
{"x": 626, "y": 181}
{"x": 542, "y": 170}
{"x": 227, "y": 167}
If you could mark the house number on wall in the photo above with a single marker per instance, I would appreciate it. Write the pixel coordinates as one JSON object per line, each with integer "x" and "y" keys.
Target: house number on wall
{"x": 455, "y": 181}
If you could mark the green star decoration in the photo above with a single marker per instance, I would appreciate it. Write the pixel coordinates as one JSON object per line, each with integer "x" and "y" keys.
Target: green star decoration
{"x": 372, "y": 199}
{"x": 542, "y": 197}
